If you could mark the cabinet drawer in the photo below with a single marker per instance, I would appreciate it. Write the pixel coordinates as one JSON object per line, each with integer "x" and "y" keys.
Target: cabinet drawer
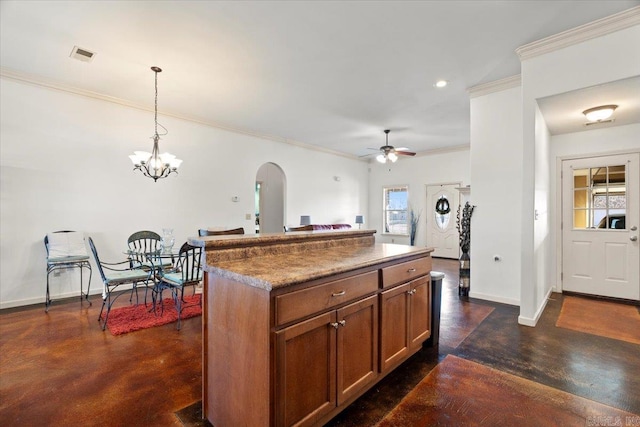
{"x": 298, "y": 304}
{"x": 405, "y": 271}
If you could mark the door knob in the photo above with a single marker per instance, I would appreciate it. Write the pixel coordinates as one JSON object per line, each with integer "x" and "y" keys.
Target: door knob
{"x": 634, "y": 228}
{"x": 633, "y": 238}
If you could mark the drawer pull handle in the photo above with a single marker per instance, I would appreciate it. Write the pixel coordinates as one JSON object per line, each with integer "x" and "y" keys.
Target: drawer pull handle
{"x": 342, "y": 322}
{"x": 338, "y": 294}
{"x": 335, "y": 325}
{"x": 411, "y": 270}
{"x": 411, "y": 292}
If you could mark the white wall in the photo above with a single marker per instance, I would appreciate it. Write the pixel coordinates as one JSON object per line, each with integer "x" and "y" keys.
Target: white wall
{"x": 496, "y": 179}
{"x": 416, "y": 172}
{"x": 593, "y": 142}
{"x": 543, "y": 251}
{"x": 64, "y": 165}
{"x": 599, "y": 60}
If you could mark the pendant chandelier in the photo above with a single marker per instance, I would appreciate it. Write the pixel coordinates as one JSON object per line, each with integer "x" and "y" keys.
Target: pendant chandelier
{"x": 155, "y": 165}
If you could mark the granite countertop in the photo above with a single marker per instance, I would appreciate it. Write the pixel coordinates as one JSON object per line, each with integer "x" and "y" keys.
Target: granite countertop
{"x": 274, "y": 271}
{"x": 247, "y": 240}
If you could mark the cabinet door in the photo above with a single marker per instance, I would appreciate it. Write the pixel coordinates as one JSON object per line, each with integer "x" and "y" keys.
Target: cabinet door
{"x": 306, "y": 371}
{"x": 357, "y": 364}
{"x": 394, "y": 320}
{"x": 420, "y": 311}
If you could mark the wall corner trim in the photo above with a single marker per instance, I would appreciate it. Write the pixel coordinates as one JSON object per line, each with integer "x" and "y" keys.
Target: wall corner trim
{"x": 533, "y": 321}
{"x": 619, "y": 21}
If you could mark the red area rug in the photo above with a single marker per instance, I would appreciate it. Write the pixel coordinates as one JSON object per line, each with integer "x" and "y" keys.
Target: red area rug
{"x": 136, "y": 317}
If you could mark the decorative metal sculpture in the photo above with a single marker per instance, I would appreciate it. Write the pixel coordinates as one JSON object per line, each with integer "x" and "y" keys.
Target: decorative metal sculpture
{"x": 463, "y": 223}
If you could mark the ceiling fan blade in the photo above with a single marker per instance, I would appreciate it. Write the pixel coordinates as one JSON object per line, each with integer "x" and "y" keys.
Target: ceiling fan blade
{"x": 405, "y": 153}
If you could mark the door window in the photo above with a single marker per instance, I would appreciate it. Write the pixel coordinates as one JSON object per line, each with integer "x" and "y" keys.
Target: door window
{"x": 599, "y": 198}
{"x": 442, "y": 212}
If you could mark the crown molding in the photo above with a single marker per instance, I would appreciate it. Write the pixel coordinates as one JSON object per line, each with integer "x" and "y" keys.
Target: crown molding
{"x": 494, "y": 86}
{"x": 444, "y": 150}
{"x": 619, "y": 21}
{"x": 56, "y": 85}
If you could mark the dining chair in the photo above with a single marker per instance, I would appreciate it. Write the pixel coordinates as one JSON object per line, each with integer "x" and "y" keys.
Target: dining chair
{"x": 142, "y": 245}
{"x": 66, "y": 249}
{"x": 112, "y": 277}
{"x": 203, "y": 232}
{"x": 186, "y": 272}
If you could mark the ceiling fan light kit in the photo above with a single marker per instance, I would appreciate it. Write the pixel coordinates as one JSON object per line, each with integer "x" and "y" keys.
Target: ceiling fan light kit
{"x": 389, "y": 153}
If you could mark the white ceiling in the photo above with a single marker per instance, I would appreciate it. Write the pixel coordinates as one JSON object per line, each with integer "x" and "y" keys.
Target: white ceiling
{"x": 325, "y": 73}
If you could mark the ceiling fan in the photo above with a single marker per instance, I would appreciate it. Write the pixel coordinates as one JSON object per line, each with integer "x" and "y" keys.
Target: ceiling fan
{"x": 389, "y": 153}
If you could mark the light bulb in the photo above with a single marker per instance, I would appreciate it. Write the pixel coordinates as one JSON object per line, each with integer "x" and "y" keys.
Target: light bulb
{"x": 381, "y": 158}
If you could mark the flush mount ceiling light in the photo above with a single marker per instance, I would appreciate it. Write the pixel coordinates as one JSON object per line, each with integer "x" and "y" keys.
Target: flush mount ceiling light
{"x": 155, "y": 165}
{"x": 440, "y": 84}
{"x": 598, "y": 114}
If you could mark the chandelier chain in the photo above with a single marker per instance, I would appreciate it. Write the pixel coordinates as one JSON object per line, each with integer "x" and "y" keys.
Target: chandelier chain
{"x": 156, "y": 105}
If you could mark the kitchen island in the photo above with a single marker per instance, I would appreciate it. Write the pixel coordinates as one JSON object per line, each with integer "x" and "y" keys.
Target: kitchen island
{"x": 297, "y": 326}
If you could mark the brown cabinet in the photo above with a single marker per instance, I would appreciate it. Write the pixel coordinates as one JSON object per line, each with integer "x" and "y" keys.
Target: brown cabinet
{"x": 324, "y": 361}
{"x": 290, "y": 338}
{"x": 405, "y": 321}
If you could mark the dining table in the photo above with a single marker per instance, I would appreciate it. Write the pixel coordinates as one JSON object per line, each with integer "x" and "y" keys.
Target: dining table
{"x": 158, "y": 261}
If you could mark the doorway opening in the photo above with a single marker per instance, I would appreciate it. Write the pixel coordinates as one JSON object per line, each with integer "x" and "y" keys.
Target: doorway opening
{"x": 600, "y": 218}
{"x": 442, "y": 233}
{"x": 270, "y": 191}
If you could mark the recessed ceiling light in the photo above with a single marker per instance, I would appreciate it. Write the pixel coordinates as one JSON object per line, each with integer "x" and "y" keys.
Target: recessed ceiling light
{"x": 440, "y": 84}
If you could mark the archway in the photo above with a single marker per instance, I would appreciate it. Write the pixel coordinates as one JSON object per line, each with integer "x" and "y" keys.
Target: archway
{"x": 270, "y": 198}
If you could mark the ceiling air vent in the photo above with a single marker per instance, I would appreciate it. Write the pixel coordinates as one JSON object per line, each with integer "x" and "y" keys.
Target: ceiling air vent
{"x": 82, "y": 54}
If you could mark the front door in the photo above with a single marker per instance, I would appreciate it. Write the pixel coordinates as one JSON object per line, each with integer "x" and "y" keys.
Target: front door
{"x": 600, "y": 220}
{"x": 442, "y": 207}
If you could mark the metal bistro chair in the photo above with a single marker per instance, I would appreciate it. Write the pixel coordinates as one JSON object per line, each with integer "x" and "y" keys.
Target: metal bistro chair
{"x": 187, "y": 272}
{"x": 66, "y": 249}
{"x": 202, "y": 232}
{"x": 114, "y": 277}
{"x": 142, "y": 245}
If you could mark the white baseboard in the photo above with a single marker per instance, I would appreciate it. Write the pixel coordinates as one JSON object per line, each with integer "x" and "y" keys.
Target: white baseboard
{"x": 40, "y": 300}
{"x": 526, "y": 321}
{"x": 494, "y": 298}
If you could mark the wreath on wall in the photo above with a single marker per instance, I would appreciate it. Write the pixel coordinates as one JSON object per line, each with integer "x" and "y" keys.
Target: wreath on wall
{"x": 442, "y": 206}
